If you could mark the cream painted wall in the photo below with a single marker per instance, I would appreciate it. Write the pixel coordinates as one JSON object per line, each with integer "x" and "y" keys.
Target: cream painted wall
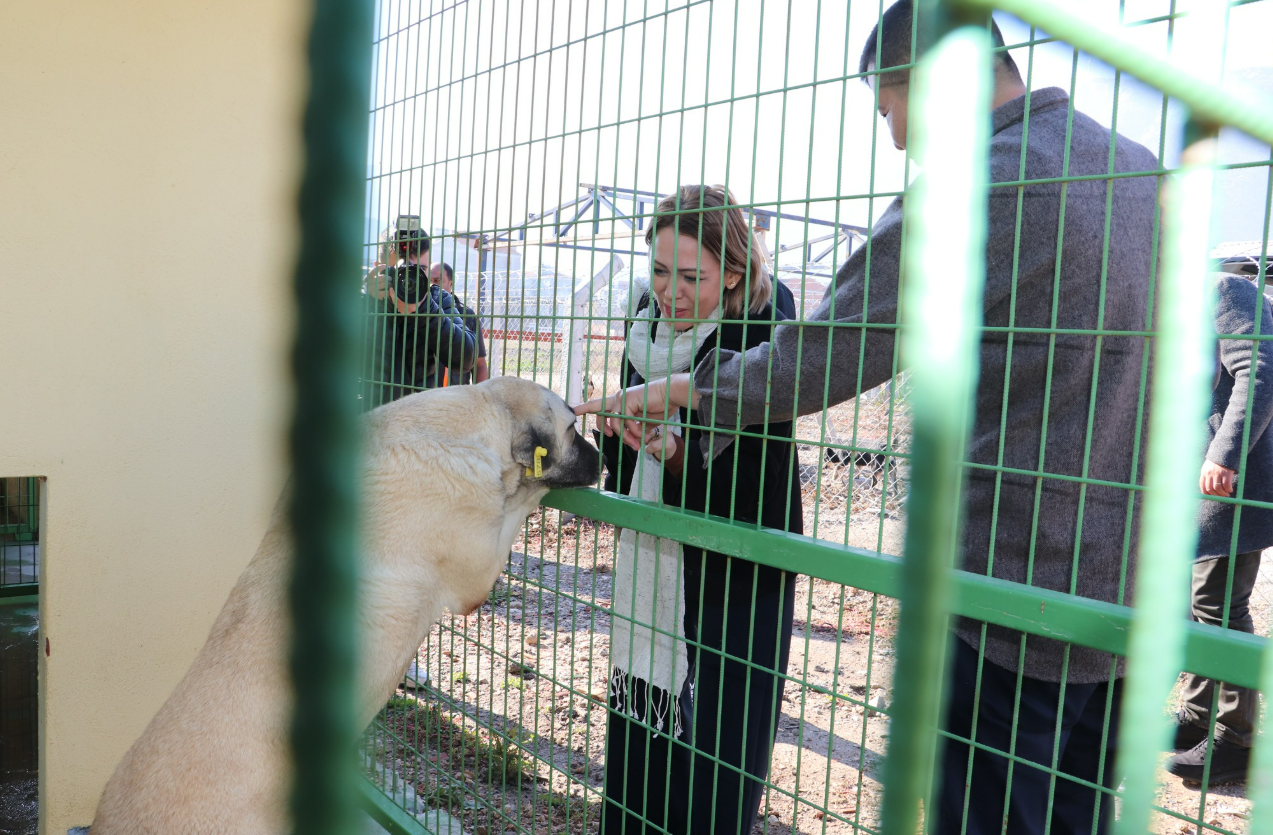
{"x": 148, "y": 156}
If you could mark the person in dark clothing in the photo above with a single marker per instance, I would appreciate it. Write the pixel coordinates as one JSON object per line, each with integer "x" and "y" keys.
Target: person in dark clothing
{"x": 444, "y": 276}
{"x": 428, "y": 333}
{"x": 1243, "y": 369}
{"x": 1040, "y": 406}
{"x": 686, "y": 751}
{"x": 377, "y": 343}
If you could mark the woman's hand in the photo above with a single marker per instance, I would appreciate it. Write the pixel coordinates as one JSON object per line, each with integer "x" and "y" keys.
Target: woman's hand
{"x": 667, "y": 447}
{"x": 633, "y": 407}
{"x": 1217, "y": 480}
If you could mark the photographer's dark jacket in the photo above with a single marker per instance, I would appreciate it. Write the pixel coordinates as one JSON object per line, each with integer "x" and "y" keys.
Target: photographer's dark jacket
{"x": 473, "y": 323}
{"x": 1238, "y": 304}
{"x": 432, "y": 337}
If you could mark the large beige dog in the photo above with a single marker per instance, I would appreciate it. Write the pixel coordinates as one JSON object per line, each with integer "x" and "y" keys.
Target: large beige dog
{"x": 446, "y": 491}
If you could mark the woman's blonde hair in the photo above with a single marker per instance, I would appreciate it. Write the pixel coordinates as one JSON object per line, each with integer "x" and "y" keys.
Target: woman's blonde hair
{"x": 700, "y": 212}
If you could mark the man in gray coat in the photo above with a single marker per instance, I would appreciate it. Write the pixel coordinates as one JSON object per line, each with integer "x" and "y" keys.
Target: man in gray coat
{"x": 1243, "y": 367}
{"x": 1059, "y": 399}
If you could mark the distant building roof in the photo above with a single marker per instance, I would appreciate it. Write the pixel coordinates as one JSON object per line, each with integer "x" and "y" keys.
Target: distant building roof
{"x": 1233, "y": 249}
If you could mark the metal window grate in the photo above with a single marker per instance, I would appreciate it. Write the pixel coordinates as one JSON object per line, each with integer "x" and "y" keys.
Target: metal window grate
{"x": 19, "y": 534}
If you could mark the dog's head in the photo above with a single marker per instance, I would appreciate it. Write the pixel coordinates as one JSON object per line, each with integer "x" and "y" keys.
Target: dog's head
{"x": 545, "y": 442}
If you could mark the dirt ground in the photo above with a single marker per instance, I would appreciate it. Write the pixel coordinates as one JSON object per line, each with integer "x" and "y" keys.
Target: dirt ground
{"x": 1226, "y": 806}
{"x": 529, "y": 670}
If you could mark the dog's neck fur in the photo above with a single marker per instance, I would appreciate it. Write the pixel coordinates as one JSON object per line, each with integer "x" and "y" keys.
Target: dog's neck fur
{"x": 233, "y": 706}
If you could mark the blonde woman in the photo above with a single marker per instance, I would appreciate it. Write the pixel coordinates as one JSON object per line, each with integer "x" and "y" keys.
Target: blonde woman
{"x": 697, "y": 637}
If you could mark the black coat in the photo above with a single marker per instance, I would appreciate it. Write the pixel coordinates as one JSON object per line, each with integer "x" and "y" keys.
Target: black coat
{"x": 407, "y": 348}
{"x": 754, "y": 480}
{"x": 738, "y": 619}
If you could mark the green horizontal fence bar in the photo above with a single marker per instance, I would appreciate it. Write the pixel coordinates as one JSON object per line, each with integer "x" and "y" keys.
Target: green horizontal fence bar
{"x": 1207, "y": 102}
{"x": 1221, "y": 654}
{"x": 384, "y": 811}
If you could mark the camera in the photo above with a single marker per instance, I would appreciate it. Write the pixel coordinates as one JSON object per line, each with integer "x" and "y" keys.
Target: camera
{"x": 410, "y": 237}
{"x": 411, "y": 283}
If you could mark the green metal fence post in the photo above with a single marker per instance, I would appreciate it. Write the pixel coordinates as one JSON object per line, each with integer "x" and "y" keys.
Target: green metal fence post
{"x": 1183, "y": 365}
{"x": 1260, "y": 779}
{"x": 943, "y": 278}
{"x": 1169, "y": 535}
{"x": 323, "y": 510}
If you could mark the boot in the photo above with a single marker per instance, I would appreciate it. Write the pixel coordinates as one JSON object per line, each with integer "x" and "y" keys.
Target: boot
{"x": 1187, "y": 733}
{"x": 1229, "y": 762}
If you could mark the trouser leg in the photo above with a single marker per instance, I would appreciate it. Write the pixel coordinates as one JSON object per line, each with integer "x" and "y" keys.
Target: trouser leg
{"x": 1235, "y": 706}
{"x": 644, "y": 769}
{"x": 983, "y": 775}
{"x": 736, "y": 708}
{"x": 1089, "y": 754}
{"x": 1027, "y": 718}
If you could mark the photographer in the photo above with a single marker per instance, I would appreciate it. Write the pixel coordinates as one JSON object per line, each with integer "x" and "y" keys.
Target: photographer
{"x": 378, "y": 339}
{"x": 428, "y": 334}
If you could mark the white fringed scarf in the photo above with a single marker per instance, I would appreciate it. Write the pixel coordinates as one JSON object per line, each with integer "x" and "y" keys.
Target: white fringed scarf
{"x": 649, "y": 584}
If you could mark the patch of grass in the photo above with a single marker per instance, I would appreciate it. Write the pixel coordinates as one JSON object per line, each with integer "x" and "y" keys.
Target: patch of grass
{"x": 500, "y": 594}
{"x": 494, "y": 758}
{"x": 461, "y": 677}
{"x": 406, "y": 708}
{"x": 506, "y": 764}
{"x": 446, "y": 797}
{"x": 514, "y": 683}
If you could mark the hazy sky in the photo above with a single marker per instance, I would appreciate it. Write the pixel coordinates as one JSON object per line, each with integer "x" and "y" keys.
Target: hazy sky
{"x": 491, "y": 110}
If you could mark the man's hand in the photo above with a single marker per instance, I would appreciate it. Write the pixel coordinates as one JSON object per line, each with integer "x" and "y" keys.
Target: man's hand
{"x": 631, "y": 407}
{"x": 1217, "y": 480}
{"x": 377, "y": 282}
{"x": 635, "y": 406}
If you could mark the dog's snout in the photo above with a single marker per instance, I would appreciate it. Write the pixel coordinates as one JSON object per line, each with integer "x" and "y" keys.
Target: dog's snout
{"x": 582, "y": 467}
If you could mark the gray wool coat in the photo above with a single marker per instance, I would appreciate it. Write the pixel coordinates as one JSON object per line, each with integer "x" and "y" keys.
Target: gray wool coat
{"x": 1238, "y": 303}
{"x": 1043, "y": 530}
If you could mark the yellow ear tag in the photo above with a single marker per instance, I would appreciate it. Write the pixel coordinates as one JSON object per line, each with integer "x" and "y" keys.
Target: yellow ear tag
{"x": 538, "y": 472}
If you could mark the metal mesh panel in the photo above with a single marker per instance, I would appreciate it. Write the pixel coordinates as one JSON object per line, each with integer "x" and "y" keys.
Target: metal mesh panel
{"x": 535, "y": 140}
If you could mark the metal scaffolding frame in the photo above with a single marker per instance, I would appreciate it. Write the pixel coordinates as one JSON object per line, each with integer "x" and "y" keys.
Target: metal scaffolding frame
{"x": 565, "y": 221}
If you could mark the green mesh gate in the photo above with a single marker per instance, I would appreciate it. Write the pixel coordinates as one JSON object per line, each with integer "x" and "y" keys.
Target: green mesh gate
{"x": 534, "y": 139}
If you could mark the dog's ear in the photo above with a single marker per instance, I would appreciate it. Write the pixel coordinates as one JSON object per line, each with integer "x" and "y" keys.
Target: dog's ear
{"x": 532, "y": 445}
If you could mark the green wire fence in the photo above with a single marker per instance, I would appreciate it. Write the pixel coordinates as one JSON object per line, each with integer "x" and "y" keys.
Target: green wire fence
{"x": 532, "y": 130}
